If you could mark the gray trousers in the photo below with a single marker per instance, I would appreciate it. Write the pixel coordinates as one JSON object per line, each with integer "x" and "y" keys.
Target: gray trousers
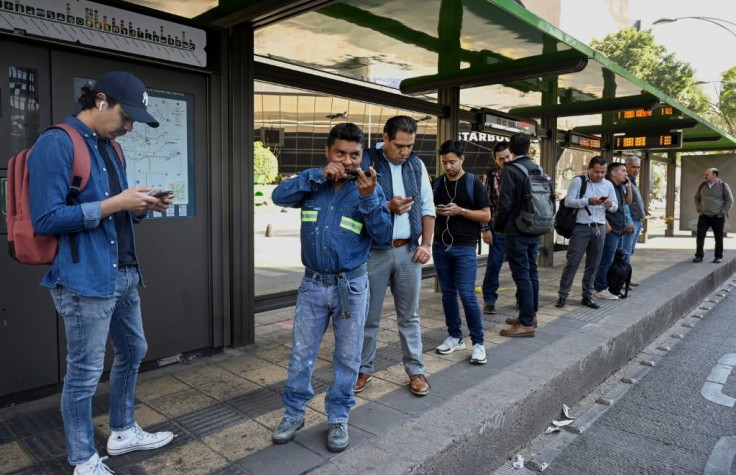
{"x": 584, "y": 240}
{"x": 394, "y": 266}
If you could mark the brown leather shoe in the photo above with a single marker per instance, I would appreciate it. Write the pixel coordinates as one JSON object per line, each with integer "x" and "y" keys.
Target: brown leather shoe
{"x": 518, "y": 331}
{"x": 362, "y": 381}
{"x": 515, "y": 321}
{"x": 418, "y": 384}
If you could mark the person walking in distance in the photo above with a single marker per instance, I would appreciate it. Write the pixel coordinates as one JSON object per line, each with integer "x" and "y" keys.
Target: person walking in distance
{"x": 497, "y": 242}
{"x": 95, "y": 276}
{"x": 713, "y": 201}
{"x": 589, "y": 234}
{"x": 398, "y": 261}
{"x": 342, "y": 210}
{"x": 461, "y": 207}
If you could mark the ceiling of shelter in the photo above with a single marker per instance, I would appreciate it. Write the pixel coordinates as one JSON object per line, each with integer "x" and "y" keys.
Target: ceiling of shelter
{"x": 386, "y": 42}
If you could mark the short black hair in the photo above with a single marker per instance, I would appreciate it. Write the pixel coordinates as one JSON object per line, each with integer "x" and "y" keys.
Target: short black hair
{"x": 345, "y": 131}
{"x": 614, "y": 166}
{"x": 399, "y": 123}
{"x": 88, "y": 99}
{"x": 597, "y": 160}
{"x": 500, "y": 147}
{"x": 519, "y": 144}
{"x": 451, "y": 146}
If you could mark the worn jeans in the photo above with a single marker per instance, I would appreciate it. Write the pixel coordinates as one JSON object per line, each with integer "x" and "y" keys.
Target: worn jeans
{"x": 612, "y": 242}
{"x": 495, "y": 260}
{"x": 629, "y": 242}
{"x": 521, "y": 252}
{"x": 316, "y": 304}
{"x": 715, "y": 223}
{"x": 394, "y": 267}
{"x": 456, "y": 269}
{"x": 88, "y": 321}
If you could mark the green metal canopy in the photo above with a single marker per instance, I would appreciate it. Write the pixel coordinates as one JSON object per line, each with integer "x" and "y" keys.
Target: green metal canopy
{"x": 498, "y": 53}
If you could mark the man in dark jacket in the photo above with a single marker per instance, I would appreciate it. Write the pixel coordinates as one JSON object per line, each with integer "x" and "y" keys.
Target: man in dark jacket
{"x": 521, "y": 249}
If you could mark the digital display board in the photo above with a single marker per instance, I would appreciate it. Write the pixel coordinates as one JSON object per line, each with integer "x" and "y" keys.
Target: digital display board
{"x": 582, "y": 141}
{"x": 509, "y": 124}
{"x": 645, "y": 142}
{"x": 659, "y": 111}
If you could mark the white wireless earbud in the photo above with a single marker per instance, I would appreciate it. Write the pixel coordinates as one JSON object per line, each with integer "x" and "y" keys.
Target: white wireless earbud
{"x": 101, "y": 104}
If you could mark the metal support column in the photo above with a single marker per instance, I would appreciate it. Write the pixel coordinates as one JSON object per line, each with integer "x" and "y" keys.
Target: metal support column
{"x": 644, "y": 176}
{"x": 548, "y": 161}
{"x": 670, "y": 199}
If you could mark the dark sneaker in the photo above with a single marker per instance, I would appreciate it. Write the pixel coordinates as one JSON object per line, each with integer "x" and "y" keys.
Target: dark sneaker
{"x": 337, "y": 437}
{"x": 560, "y": 302}
{"x": 285, "y": 431}
{"x": 717, "y": 260}
{"x": 589, "y": 302}
{"x": 698, "y": 259}
{"x": 489, "y": 309}
{"x": 362, "y": 381}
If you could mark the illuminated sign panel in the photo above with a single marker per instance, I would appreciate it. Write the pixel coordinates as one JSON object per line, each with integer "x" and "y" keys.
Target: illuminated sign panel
{"x": 633, "y": 114}
{"x": 586, "y": 142}
{"x": 509, "y": 124}
{"x": 645, "y": 142}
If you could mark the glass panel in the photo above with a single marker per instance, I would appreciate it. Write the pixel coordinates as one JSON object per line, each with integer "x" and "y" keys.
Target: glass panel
{"x": 24, "y": 107}
{"x": 183, "y": 8}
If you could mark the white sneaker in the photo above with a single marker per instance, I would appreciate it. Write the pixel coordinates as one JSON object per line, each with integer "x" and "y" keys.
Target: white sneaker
{"x": 136, "y": 438}
{"x": 605, "y": 294}
{"x": 93, "y": 466}
{"x": 479, "y": 354}
{"x": 451, "y": 344}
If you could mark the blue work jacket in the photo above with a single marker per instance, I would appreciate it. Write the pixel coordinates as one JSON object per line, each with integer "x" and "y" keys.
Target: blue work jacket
{"x": 50, "y": 170}
{"x": 336, "y": 227}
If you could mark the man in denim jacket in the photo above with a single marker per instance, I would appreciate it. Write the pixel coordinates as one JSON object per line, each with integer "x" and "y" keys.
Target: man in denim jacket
{"x": 342, "y": 210}
{"x": 94, "y": 278}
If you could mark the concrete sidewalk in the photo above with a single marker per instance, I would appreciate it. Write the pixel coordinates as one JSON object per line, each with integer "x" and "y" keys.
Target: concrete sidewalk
{"x": 223, "y": 408}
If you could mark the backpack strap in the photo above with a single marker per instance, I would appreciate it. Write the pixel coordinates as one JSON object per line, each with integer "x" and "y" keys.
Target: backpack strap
{"x": 583, "y": 187}
{"x": 80, "y": 159}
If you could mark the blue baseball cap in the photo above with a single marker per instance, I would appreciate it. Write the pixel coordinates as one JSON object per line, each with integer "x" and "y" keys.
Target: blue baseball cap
{"x": 130, "y": 92}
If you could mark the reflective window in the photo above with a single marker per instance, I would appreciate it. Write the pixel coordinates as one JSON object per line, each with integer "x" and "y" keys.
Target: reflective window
{"x": 24, "y": 107}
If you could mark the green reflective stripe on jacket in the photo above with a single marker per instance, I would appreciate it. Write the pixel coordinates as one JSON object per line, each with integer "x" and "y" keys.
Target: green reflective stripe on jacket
{"x": 309, "y": 216}
{"x": 350, "y": 224}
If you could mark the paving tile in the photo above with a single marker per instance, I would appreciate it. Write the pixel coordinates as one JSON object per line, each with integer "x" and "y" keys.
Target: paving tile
{"x": 286, "y": 459}
{"x": 156, "y": 388}
{"x": 239, "y": 364}
{"x": 194, "y": 457}
{"x": 377, "y": 388}
{"x": 267, "y": 375}
{"x": 376, "y": 418}
{"x": 209, "y": 420}
{"x": 256, "y": 402}
{"x": 315, "y": 439}
{"x": 35, "y": 422}
{"x": 470, "y": 373}
{"x": 444, "y": 387}
{"x": 240, "y": 440}
{"x": 47, "y": 445}
{"x": 406, "y": 402}
{"x": 434, "y": 364}
{"x": 182, "y": 402}
{"x": 13, "y": 457}
{"x": 395, "y": 374}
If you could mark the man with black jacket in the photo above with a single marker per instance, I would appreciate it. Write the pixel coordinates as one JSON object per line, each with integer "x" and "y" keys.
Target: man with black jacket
{"x": 521, "y": 249}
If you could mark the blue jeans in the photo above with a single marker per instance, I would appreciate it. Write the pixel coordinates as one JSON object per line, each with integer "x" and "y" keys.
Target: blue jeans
{"x": 456, "y": 269}
{"x": 629, "y": 242}
{"x": 495, "y": 260}
{"x": 612, "y": 242}
{"x": 521, "y": 252}
{"x": 88, "y": 321}
{"x": 315, "y": 305}
{"x": 397, "y": 268}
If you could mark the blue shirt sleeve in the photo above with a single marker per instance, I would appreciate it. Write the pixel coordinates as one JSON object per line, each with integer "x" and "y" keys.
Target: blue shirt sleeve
{"x": 291, "y": 193}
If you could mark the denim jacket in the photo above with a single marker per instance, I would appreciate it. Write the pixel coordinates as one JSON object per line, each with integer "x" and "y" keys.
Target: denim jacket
{"x": 50, "y": 169}
{"x": 337, "y": 227}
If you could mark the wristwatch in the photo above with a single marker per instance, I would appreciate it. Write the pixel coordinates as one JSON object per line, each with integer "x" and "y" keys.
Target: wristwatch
{"x": 462, "y": 211}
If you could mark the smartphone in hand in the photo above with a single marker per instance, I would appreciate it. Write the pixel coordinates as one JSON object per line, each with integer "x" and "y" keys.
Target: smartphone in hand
{"x": 603, "y": 198}
{"x": 162, "y": 194}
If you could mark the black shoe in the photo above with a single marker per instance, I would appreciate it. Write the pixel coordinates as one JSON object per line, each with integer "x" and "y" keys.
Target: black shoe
{"x": 589, "y": 302}
{"x": 285, "y": 431}
{"x": 560, "y": 302}
{"x": 489, "y": 309}
{"x": 698, "y": 259}
{"x": 337, "y": 437}
{"x": 517, "y": 306}
{"x": 717, "y": 260}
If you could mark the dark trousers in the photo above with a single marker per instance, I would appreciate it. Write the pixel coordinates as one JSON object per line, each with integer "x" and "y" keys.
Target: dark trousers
{"x": 715, "y": 223}
{"x": 521, "y": 252}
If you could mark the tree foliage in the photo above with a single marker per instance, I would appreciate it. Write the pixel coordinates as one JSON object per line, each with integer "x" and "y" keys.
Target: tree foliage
{"x": 637, "y": 52}
{"x": 264, "y": 162}
{"x": 726, "y": 107}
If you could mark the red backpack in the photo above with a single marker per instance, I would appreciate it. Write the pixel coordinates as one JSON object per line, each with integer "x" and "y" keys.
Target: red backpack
{"x": 24, "y": 245}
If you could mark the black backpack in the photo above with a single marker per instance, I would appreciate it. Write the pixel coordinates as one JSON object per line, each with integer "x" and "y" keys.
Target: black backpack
{"x": 537, "y": 211}
{"x": 619, "y": 275}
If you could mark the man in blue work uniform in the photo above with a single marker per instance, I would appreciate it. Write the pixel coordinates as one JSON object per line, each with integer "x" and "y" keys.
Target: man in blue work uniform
{"x": 343, "y": 209}
{"x": 94, "y": 278}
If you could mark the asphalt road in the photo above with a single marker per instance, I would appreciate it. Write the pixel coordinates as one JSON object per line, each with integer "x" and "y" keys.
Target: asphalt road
{"x": 679, "y": 418}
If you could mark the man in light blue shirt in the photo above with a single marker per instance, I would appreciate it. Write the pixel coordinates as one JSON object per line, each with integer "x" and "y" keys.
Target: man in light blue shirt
{"x": 398, "y": 262}
{"x": 590, "y": 229}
